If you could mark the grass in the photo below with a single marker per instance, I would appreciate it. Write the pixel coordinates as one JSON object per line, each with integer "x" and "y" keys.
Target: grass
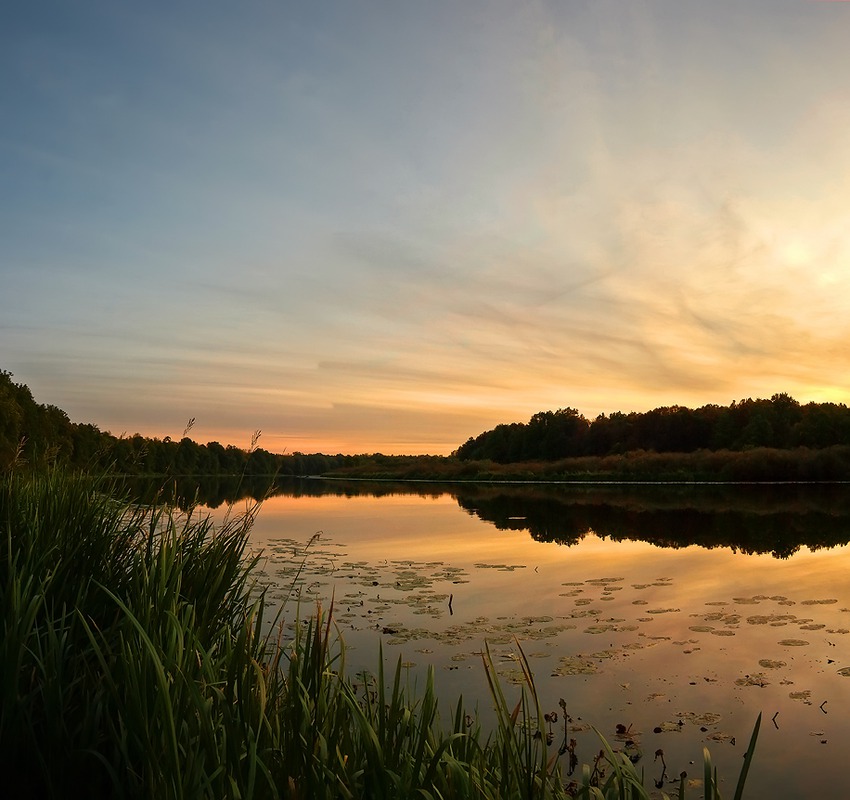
{"x": 136, "y": 662}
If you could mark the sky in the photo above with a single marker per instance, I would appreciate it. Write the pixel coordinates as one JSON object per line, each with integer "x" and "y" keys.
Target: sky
{"x": 389, "y": 226}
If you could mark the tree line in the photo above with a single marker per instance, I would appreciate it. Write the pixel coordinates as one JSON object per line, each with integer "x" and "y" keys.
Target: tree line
{"x": 35, "y": 433}
{"x": 780, "y": 422}
{"x": 818, "y": 433}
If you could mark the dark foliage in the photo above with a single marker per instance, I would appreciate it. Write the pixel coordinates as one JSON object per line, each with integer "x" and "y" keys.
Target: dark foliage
{"x": 38, "y": 434}
{"x": 754, "y": 440}
{"x": 778, "y": 423}
{"x": 757, "y": 519}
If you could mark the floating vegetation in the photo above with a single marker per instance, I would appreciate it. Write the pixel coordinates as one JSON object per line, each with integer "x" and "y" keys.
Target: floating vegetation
{"x": 758, "y": 679}
{"x": 574, "y": 665}
{"x": 669, "y": 727}
{"x": 719, "y": 616}
{"x": 407, "y": 604}
{"x": 804, "y": 696}
{"x": 718, "y": 736}
{"x": 700, "y": 720}
{"x": 657, "y": 582}
{"x": 402, "y": 635}
{"x": 777, "y": 620}
{"x": 609, "y": 627}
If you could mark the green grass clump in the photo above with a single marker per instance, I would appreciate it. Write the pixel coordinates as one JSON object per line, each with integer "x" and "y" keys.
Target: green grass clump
{"x": 135, "y": 662}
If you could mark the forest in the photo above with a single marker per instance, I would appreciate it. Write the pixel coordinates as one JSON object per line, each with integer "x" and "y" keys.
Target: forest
{"x": 775, "y": 439}
{"x": 778, "y": 423}
{"x": 36, "y": 434}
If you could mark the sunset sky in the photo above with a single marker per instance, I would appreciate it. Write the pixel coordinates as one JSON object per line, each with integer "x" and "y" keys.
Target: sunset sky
{"x": 389, "y": 226}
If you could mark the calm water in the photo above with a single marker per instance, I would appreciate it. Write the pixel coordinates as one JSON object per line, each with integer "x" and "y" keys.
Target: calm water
{"x": 620, "y": 613}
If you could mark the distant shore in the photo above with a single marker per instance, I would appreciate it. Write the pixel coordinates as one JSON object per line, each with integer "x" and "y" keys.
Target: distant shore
{"x": 757, "y": 465}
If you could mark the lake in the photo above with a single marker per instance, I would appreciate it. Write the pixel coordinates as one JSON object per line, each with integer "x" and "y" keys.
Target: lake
{"x": 676, "y": 612}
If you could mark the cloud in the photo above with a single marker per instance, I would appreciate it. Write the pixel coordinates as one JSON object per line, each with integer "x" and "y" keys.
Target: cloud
{"x": 409, "y": 226}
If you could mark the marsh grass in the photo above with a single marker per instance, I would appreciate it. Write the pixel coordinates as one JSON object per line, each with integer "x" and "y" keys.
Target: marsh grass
{"x": 137, "y": 661}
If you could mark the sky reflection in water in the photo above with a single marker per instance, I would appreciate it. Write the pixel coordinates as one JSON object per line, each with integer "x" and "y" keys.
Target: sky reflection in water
{"x": 694, "y": 641}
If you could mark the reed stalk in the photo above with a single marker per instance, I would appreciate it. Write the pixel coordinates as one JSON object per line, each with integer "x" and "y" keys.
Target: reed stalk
{"x": 137, "y": 661}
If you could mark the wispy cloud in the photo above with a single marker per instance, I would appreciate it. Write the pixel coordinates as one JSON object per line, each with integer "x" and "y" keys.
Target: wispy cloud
{"x": 389, "y": 231}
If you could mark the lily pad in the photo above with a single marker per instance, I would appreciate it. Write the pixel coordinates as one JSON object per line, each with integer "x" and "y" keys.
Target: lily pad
{"x": 668, "y": 727}
{"x": 758, "y": 679}
{"x": 603, "y": 627}
{"x": 705, "y": 718}
{"x": 574, "y": 665}
{"x": 771, "y": 619}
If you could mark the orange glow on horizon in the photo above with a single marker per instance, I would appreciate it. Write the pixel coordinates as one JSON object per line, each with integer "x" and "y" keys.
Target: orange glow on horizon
{"x": 442, "y": 435}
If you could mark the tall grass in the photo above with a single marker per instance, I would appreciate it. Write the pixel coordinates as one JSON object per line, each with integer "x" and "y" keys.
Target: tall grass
{"x": 134, "y": 664}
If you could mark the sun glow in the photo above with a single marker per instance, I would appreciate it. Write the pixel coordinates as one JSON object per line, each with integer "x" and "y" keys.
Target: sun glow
{"x": 416, "y": 226}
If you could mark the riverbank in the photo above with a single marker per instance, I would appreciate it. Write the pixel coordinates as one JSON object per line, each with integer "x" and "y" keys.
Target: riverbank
{"x": 135, "y": 665}
{"x": 801, "y": 464}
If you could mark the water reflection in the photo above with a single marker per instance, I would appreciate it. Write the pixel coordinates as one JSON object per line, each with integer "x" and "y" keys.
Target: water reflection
{"x": 760, "y": 519}
{"x": 677, "y": 613}
{"x": 775, "y": 519}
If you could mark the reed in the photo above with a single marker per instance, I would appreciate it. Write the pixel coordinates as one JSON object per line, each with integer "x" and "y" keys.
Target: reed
{"x": 138, "y": 661}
